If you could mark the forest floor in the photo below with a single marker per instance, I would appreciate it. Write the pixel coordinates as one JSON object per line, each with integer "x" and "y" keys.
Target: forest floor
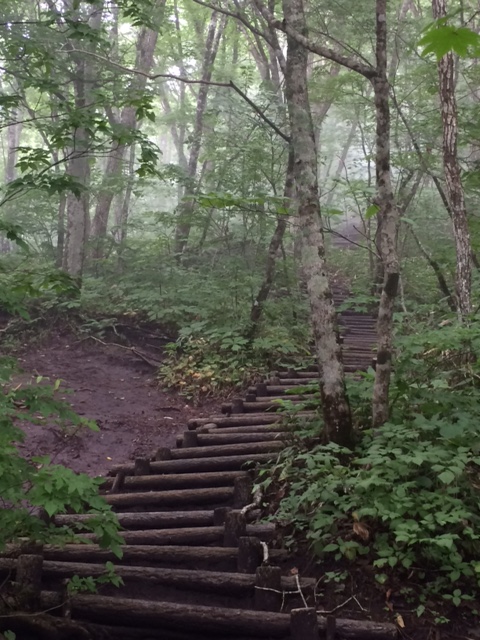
{"x": 111, "y": 386}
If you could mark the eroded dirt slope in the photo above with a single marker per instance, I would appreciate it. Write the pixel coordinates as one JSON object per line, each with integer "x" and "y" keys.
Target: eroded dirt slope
{"x": 116, "y": 389}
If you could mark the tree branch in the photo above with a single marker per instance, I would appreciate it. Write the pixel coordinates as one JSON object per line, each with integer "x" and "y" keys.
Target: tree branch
{"x": 350, "y": 63}
{"x": 238, "y": 16}
{"x": 171, "y": 76}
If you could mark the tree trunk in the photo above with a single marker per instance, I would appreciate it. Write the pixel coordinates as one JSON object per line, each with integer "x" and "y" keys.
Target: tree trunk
{"x": 78, "y": 167}
{"x": 186, "y": 208}
{"x": 147, "y": 40}
{"x": 275, "y": 243}
{"x": 341, "y": 162}
{"x": 388, "y": 224}
{"x": 455, "y": 193}
{"x": 62, "y": 205}
{"x": 442, "y": 283}
{"x": 336, "y": 411}
{"x": 14, "y": 131}
{"x": 77, "y": 205}
{"x": 123, "y": 212}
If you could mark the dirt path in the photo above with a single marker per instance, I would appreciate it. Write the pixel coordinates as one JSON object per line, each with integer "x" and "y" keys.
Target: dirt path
{"x": 116, "y": 389}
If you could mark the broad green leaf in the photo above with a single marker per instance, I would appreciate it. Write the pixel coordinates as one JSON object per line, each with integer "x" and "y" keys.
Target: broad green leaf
{"x": 372, "y": 211}
{"x": 441, "y": 39}
{"x": 447, "y": 477}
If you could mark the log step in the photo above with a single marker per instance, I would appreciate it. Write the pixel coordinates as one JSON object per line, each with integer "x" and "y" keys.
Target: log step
{"x": 265, "y": 429}
{"x": 191, "y": 580}
{"x": 217, "y": 438}
{"x": 244, "y": 420}
{"x": 195, "y": 536}
{"x": 227, "y": 450}
{"x": 198, "y": 465}
{"x": 194, "y": 497}
{"x": 177, "y": 481}
{"x": 147, "y": 555}
{"x": 147, "y": 520}
{"x": 221, "y": 622}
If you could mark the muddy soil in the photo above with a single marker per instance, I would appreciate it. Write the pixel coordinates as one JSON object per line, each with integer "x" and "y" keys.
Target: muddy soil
{"x": 117, "y": 390}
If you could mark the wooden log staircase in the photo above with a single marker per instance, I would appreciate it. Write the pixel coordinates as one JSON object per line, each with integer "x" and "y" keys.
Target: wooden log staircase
{"x": 197, "y": 563}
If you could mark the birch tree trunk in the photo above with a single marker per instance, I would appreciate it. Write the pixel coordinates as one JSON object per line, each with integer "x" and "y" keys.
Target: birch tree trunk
{"x": 147, "y": 40}
{"x": 121, "y": 215}
{"x": 77, "y": 203}
{"x": 14, "y": 131}
{"x": 387, "y": 224}
{"x": 186, "y": 208}
{"x": 336, "y": 411}
{"x": 274, "y": 246}
{"x": 455, "y": 193}
{"x": 78, "y": 166}
{"x": 13, "y": 134}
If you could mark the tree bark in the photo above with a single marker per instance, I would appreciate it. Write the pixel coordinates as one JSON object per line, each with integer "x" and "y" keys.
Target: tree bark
{"x": 388, "y": 224}
{"x": 186, "y": 208}
{"x": 77, "y": 204}
{"x": 14, "y": 131}
{"x": 442, "y": 283}
{"x": 78, "y": 167}
{"x": 275, "y": 243}
{"x": 147, "y": 40}
{"x": 336, "y": 411}
{"x": 451, "y": 165}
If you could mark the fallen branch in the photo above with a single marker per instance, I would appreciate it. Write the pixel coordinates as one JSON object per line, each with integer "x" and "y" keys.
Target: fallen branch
{"x": 153, "y": 363}
{"x": 257, "y": 498}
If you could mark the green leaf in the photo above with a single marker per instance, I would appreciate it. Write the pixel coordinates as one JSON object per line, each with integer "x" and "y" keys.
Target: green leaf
{"x": 372, "y": 211}
{"x": 447, "y": 477}
{"x": 441, "y": 39}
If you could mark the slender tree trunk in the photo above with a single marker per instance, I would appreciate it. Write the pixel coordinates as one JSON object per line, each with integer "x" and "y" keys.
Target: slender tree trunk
{"x": 275, "y": 244}
{"x": 121, "y": 218}
{"x": 341, "y": 161}
{"x": 336, "y": 411}
{"x": 442, "y": 283}
{"x": 78, "y": 167}
{"x": 186, "y": 208}
{"x": 77, "y": 204}
{"x": 62, "y": 205}
{"x": 388, "y": 224}
{"x": 147, "y": 40}
{"x": 455, "y": 193}
{"x": 14, "y": 131}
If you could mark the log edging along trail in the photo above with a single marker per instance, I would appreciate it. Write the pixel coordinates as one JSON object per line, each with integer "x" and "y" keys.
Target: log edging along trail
{"x": 196, "y": 563}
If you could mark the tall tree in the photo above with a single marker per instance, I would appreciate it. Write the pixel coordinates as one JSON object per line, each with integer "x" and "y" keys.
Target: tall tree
{"x": 388, "y": 218}
{"x": 215, "y": 31}
{"x": 336, "y": 411}
{"x": 78, "y": 167}
{"x": 451, "y": 165}
{"x": 125, "y": 125}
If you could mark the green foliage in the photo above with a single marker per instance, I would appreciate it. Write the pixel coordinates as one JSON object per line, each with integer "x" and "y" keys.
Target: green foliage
{"x": 441, "y": 38}
{"x": 406, "y": 499}
{"x": 30, "y": 486}
{"x": 20, "y": 287}
{"x": 204, "y": 362}
{"x": 78, "y": 584}
{"x": 26, "y": 484}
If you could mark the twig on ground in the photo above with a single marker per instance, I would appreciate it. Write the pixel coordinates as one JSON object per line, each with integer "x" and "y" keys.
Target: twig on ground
{"x": 257, "y": 498}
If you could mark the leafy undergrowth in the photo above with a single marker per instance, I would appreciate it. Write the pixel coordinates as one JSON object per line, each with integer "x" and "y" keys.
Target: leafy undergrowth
{"x": 404, "y": 506}
{"x": 206, "y": 361}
